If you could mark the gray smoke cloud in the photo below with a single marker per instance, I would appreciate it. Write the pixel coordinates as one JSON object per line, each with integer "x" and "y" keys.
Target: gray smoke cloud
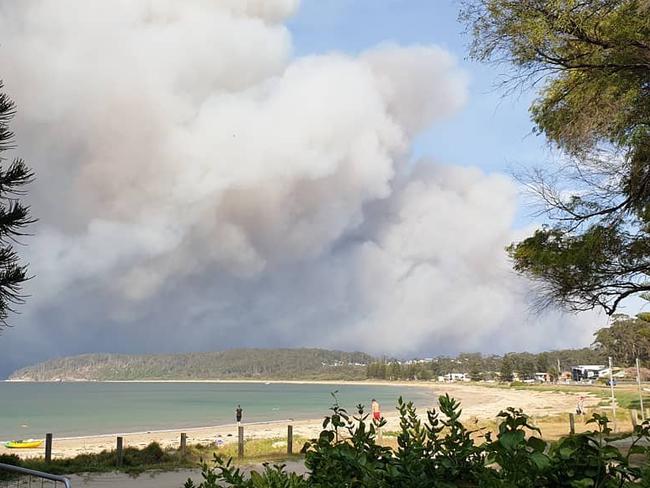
{"x": 199, "y": 187}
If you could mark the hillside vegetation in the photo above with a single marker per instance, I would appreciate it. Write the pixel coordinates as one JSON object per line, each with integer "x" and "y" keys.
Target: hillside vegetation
{"x": 323, "y": 364}
{"x": 230, "y": 364}
{"x": 300, "y": 364}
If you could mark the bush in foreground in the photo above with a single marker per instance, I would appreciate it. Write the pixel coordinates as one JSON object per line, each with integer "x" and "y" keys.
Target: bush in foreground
{"x": 134, "y": 461}
{"x": 441, "y": 452}
{"x": 11, "y": 459}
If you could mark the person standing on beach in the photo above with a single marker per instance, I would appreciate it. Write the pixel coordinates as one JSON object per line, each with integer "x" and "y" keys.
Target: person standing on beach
{"x": 580, "y": 407}
{"x": 238, "y": 414}
{"x": 376, "y": 412}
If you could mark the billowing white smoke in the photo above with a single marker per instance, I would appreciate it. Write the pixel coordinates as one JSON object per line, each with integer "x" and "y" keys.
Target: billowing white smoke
{"x": 199, "y": 188}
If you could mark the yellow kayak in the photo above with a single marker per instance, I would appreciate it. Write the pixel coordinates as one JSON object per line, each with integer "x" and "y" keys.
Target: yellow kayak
{"x": 28, "y": 444}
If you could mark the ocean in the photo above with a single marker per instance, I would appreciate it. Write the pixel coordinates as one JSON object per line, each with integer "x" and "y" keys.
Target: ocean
{"x": 29, "y": 410}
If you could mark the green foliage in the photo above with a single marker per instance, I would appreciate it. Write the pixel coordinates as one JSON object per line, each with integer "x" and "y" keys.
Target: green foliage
{"x": 625, "y": 340}
{"x": 475, "y": 374}
{"x": 592, "y": 461}
{"x": 273, "y": 476}
{"x": 543, "y": 362}
{"x": 553, "y": 373}
{"x": 229, "y": 364}
{"x": 507, "y": 370}
{"x": 134, "y": 461}
{"x": 287, "y": 364}
{"x": 149, "y": 455}
{"x": 521, "y": 459}
{"x": 595, "y": 52}
{"x": 440, "y": 452}
{"x": 347, "y": 449}
{"x": 378, "y": 369}
{"x": 589, "y": 62}
{"x": 14, "y": 216}
{"x": 482, "y": 367}
{"x": 11, "y": 459}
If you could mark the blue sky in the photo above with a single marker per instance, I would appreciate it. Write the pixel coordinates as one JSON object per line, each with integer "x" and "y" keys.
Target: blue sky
{"x": 492, "y": 132}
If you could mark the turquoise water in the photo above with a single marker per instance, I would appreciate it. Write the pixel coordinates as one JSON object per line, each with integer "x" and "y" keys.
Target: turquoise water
{"x": 73, "y": 409}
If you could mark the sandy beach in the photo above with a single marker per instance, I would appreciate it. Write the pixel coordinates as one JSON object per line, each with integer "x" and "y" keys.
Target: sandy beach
{"x": 477, "y": 401}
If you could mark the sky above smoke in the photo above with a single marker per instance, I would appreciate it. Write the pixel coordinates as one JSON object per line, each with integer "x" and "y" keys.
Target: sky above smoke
{"x": 200, "y": 187}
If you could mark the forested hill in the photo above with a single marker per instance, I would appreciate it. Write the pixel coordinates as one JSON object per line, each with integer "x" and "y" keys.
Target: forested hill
{"x": 315, "y": 364}
{"x": 283, "y": 364}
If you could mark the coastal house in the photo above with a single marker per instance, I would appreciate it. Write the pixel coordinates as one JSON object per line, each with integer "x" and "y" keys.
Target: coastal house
{"x": 451, "y": 377}
{"x": 586, "y": 372}
{"x": 618, "y": 373}
{"x": 542, "y": 377}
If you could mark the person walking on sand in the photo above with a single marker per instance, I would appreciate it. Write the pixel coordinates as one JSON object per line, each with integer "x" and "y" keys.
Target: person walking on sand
{"x": 580, "y": 407}
{"x": 376, "y": 412}
{"x": 238, "y": 414}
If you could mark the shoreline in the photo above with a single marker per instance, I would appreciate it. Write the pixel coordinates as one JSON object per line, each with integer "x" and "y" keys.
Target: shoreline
{"x": 226, "y": 381}
{"x": 171, "y": 430}
{"x": 202, "y": 428}
{"x": 478, "y": 402}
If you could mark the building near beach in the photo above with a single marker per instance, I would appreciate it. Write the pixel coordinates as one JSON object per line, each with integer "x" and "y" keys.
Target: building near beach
{"x": 450, "y": 377}
{"x": 586, "y": 372}
{"x": 542, "y": 377}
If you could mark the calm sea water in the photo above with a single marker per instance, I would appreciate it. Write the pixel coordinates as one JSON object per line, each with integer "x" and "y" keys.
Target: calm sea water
{"x": 72, "y": 409}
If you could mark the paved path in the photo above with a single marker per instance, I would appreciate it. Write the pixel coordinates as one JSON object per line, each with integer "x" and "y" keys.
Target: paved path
{"x": 168, "y": 479}
{"x": 172, "y": 479}
{"x": 156, "y": 479}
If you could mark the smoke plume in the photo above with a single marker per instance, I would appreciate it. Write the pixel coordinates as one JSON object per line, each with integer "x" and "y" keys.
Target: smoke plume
{"x": 199, "y": 187}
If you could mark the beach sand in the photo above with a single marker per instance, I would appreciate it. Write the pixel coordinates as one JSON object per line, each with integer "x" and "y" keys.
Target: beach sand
{"x": 477, "y": 402}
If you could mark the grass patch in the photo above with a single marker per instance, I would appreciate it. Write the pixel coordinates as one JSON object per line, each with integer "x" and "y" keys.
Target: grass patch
{"x": 254, "y": 450}
{"x": 134, "y": 461}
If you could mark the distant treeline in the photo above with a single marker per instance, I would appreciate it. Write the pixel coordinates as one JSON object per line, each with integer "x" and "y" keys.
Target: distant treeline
{"x": 231, "y": 364}
{"x": 485, "y": 367}
{"x": 300, "y": 364}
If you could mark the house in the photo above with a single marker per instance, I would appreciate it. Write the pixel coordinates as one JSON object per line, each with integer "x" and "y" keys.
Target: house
{"x": 586, "y": 372}
{"x": 450, "y": 377}
{"x": 618, "y": 373}
{"x": 542, "y": 377}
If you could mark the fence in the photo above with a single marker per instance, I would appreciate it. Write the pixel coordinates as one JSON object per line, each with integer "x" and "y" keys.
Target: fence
{"x": 241, "y": 441}
{"x": 25, "y": 478}
{"x": 119, "y": 451}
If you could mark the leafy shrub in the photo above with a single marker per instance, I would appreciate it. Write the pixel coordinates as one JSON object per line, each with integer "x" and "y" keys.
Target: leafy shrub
{"x": 11, "y": 459}
{"x": 346, "y": 449}
{"x": 134, "y": 461}
{"x": 442, "y": 453}
{"x": 151, "y": 454}
{"x": 272, "y": 477}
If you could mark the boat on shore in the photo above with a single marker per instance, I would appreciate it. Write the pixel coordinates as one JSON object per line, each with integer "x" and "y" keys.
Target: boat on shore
{"x": 24, "y": 444}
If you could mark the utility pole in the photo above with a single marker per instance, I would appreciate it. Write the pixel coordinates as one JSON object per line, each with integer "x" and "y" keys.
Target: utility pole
{"x": 638, "y": 382}
{"x": 611, "y": 387}
{"x": 559, "y": 371}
